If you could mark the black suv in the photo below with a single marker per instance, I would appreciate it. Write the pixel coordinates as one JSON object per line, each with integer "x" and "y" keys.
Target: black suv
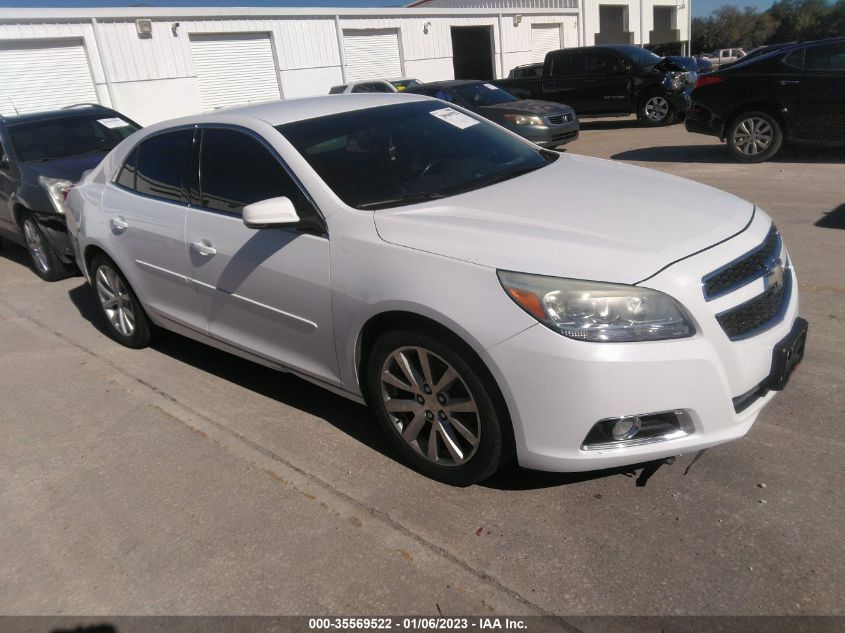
{"x": 41, "y": 156}
{"x": 795, "y": 93}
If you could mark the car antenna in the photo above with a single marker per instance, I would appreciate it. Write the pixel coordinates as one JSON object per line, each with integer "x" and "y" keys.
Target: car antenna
{"x": 14, "y": 107}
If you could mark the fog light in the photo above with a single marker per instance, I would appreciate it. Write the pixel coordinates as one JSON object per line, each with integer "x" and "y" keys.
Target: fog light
{"x": 626, "y": 428}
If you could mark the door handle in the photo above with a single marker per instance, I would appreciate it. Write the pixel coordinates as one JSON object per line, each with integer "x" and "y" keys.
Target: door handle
{"x": 203, "y": 248}
{"x": 119, "y": 225}
{"x": 788, "y": 82}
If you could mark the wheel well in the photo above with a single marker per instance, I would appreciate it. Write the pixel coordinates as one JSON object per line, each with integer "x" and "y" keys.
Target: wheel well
{"x": 770, "y": 109}
{"x": 18, "y": 211}
{"x": 398, "y": 320}
{"x": 90, "y": 253}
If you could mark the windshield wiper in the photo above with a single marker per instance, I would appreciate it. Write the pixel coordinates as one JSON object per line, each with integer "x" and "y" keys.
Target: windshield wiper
{"x": 420, "y": 196}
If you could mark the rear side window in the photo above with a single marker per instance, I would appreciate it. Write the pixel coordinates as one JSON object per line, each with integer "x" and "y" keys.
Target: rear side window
{"x": 795, "y": 58}
{"x": 336, "y": 90}
{"x": 236, "y": 170}
{"x": 567, "y": 63}
{"x": 164, "y": 166}
{"x": 126, "y": 177}
{"x": 825, "y": 58}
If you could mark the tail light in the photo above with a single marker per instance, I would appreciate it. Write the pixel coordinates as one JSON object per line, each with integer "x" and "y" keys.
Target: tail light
{"x": 708, "y": 80}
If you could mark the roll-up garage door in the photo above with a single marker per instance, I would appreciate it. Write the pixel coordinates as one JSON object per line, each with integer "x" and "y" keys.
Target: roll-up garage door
{"x": 544, "y": 38}
{"x": 44, "y": 75}
{"x": 372, "y": 54}
{"x": 234, "y": 69}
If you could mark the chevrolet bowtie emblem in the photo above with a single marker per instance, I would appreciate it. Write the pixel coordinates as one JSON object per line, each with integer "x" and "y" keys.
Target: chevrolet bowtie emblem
{"x": 773, "y": 277}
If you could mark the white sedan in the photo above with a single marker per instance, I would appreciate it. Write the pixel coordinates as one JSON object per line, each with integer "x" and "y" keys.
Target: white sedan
{"x": 486, "y": 297}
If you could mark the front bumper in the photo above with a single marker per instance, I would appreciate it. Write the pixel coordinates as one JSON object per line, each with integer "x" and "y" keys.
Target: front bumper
{"x": 557, "y": 388}
{"x": 680, "y": 101}
{"x": 55, "y": 230}
{"x": 549, "y": 136}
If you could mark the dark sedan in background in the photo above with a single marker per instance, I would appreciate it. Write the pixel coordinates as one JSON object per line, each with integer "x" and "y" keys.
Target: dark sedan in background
{"x": 794, "y": 94}
{"x": 545, "y": 123}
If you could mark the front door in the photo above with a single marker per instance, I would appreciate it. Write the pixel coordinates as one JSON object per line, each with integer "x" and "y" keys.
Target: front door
{"x": 564, "y": 76}
{"x": 606, "y": 87}
{"x": 815, "y": 94}
{"x": 266, "y": 291}
{"x": 145, "y": 210}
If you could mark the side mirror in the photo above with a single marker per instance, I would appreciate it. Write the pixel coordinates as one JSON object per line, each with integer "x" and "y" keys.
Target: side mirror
{"x": 272, "y": 212}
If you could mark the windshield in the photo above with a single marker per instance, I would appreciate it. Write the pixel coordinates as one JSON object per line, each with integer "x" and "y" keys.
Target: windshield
{"x": 404, "y": 84}
{"x": 481, "y": 94}
{"x": 75, "y": 135}
{"x": 642, "y": 57}
{"x": 395, "y": 155}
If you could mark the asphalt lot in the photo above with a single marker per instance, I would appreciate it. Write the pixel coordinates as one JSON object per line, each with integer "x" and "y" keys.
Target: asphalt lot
{"x": 180, "y": 480}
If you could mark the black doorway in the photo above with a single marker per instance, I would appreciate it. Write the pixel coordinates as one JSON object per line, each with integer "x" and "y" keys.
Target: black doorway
{"x": 472, "y": 52}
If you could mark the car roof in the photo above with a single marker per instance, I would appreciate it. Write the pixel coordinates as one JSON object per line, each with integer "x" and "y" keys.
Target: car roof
{"x": 290, "y": 110}
{"x": 451, "y": 83}
{"x": 63, "y": 113}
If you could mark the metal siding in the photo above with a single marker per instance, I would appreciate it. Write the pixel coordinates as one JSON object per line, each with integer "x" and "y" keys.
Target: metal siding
{"x": 544, "y": 38}
{"x": 44, "y": 75}
{"x": 372, "y": 54}
{"x": 234, "y": 69}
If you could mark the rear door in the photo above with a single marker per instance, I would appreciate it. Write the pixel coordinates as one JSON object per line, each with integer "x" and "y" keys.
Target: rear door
{"x": 266, "y": 291}
{"x": 145, "y": 210}
{"x": 815, "y": 92}
{"x": 563, "y": 79}
{"x": 7, "y": 186}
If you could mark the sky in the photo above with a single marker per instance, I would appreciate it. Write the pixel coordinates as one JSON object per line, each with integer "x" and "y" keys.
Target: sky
{"x": 699, "y": 7}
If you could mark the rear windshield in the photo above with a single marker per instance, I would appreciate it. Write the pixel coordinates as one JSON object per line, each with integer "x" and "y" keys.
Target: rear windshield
{"x": 396, "y": 155}
{"x": 481, "y": 94}
{"x": 71, "y": 136}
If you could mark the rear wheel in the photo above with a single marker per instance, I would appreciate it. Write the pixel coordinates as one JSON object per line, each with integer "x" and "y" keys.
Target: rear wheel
{"x": 754, "y": 137}
{"x": 655, "y": 110}
{"x": 126, "y": 320}
{"x": 437, "y": 409}
{"x": 45, "y": 262}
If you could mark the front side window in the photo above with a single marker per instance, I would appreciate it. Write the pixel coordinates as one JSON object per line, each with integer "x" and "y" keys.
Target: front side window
{"x": 73, "y": 135}
{"x": 164, "y": 166}
{"x": 236, "y": 169}
{"x": 601, "y": 63}
{"x": 395, "y": 155}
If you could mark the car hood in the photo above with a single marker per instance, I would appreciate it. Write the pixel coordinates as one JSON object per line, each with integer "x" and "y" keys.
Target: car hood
{"x": 70, "y": 168}
{"x": 578, "y": 217}
{"x": 526, "y": 106}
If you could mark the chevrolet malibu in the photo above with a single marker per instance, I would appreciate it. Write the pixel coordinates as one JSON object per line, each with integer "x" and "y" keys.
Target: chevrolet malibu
{"x": 487, "y": 298}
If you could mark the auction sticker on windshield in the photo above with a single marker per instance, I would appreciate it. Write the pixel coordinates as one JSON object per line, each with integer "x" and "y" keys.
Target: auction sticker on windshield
{"x": 113, "y": 122}
{"x": 491, "y": 86}
{"x": 453, "y": 117}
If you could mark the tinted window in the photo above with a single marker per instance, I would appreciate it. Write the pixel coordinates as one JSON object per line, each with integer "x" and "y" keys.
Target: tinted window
{"x": 600, "y": 63}
{"x": 372, "y": 86}
{"x": 440, "y": 93}
{"x": 482, "y": 94}
{"x": 795, "y": 58}
{"x": 400, "y": 154}
{"x": 640, "y": 56}
{"x": 126, "y": 177}
{"x": 563, "y": 64}
{"x": 336, "y": 90}
{"x": 825, "y": 58}
{"x": 236, "y": 170}
{"x": 164, "y": 166}
{"x": 73, "y": 135}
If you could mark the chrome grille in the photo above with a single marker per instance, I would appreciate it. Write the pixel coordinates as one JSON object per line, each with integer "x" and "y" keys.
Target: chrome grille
{"x": 744, "y": 270}
{"x": 757, "y": 314}
{"x": 559, "y": 119}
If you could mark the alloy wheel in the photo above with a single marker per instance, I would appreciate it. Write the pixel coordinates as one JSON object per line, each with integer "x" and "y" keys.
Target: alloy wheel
{"x": 35, "y": 245}
{"x": 753, "y": 136}
{"x": 115, "y": 300}
{"x": 656, "y": 109}
{"x": 430, "y": 406}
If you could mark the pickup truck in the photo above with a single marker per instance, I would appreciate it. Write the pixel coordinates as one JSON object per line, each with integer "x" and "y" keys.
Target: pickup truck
{"x": 612, "y": 81}
{"x": 723, "y": 56}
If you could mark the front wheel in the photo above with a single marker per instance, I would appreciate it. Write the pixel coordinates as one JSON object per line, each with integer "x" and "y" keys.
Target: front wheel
{"x": 437, "y": 409}
{"x": 655, "y": 110}
{"x": 754, "y": 137}
{"x": 45, "y": 262}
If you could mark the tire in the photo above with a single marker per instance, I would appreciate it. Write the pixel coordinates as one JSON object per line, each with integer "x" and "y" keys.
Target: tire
{"x": 458, "y": 407}
{"x": 126, "y": 321}
{"x": 45, "y": 262}
{"x": 656, "y": 111}
{"x": 754, "y": 137}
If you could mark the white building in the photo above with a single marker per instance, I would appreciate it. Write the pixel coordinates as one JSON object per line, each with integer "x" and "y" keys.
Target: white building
{"x": 157, "y": 63}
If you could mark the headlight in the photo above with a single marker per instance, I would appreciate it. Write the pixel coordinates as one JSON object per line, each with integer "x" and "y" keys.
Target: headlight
{"x": 57, "y": 190}
{"x": 524, "y": 119}
{"x": 595, "y": 311}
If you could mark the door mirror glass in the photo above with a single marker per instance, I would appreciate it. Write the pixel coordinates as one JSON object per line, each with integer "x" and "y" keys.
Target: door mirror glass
{"x": 272, "y": 212}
